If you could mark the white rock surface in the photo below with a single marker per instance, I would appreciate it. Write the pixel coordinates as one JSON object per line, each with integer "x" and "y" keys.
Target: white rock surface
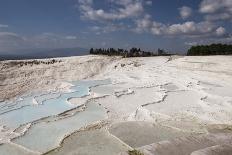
{"x": 187, "y": 93}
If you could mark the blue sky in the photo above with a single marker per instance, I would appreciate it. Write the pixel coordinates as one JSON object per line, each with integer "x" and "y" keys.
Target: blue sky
{"x": 174, "y": 25}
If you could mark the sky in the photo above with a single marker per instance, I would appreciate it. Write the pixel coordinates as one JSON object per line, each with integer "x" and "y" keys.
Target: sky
{"x": 173, "y": 25}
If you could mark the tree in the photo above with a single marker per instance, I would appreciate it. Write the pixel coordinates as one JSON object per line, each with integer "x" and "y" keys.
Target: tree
{"x": 133, "y": 52}
{"x": 213, "y": 49}
{"x": 161, "y": 52}
{"x": 91, "y": 51}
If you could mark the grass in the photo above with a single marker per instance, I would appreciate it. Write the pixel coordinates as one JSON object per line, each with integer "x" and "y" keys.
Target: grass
{"x": 135, "y": 152}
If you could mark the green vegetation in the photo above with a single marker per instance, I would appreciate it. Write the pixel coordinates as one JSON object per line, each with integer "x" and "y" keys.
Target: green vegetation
{"x": 133, "y": 52}
{"x": 135, "y": 152}
{"x": 213, "y": 49}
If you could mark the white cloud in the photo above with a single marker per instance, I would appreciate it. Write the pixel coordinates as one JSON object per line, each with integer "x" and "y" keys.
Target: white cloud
{"x": 143, "y": 24}
{"x": 216, "y": 9}
{"x": 9, "y": 36}
{"x": 209, "y": 6}
{"x": 191, "y": 28}
{"x": 125, "y": 9}
{"x": 187, "y": 29}
{"x": 220, "y": 31}
{"x": 185, "y": 12}
{"x": 134, "y": 10}
{"x": 212, "y": 6}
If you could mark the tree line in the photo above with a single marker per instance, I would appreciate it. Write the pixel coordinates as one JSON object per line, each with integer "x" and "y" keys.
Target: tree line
{"x": 213, "y": 49}
{"x": 133, "y": 52}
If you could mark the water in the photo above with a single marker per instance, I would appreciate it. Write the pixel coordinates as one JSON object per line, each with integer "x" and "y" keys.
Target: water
{"x": 10, "y": 106}
{"x": 47, "y": 135}
{"x": 25, "y": 111}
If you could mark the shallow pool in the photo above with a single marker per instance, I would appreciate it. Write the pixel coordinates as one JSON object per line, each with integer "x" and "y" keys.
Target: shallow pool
{"x": 25, "y": 111}
{"x": 47, "y": 135}
{"x": 42, "y": 110}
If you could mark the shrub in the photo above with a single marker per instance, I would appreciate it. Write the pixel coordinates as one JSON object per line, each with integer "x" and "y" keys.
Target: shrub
{"x": 135, "y": 152}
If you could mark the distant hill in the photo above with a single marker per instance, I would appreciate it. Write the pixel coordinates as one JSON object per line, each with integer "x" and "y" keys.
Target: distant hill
{"x": 43, "y": 53}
